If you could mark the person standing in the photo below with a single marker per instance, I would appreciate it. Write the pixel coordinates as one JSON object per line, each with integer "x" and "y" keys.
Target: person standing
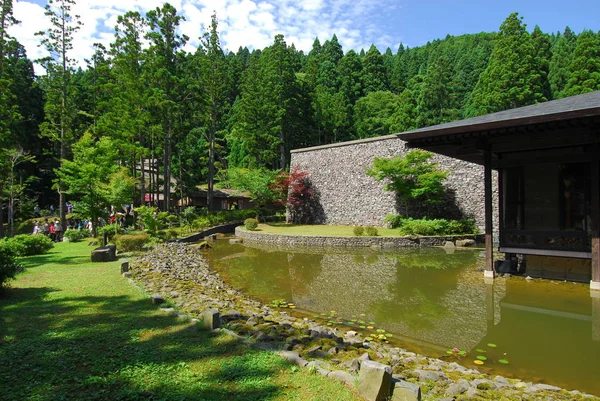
{"x": 52, "y": 231}
{"x": 36, "y": 228}
{"x": 58, "y": 230}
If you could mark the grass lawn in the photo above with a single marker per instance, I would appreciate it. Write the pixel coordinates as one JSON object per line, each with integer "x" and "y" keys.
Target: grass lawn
{"x": 319, "y": 230}
{"x": 70, "y": 329}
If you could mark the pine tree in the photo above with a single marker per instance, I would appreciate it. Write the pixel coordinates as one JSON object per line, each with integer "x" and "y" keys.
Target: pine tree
{"x": 374, "y": 76}
{"x": 60, "y": 107}
{"x": 543, "y": 55}
{"x": 562, "y": 55}
{"x": 512, "y": 77}
{"x": 585, "y": 67}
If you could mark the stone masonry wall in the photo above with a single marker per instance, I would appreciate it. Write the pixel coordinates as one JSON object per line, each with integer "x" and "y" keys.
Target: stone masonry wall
{"x": 348, "y": 196}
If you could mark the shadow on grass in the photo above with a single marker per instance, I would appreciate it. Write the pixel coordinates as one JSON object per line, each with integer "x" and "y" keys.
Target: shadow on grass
{"x": 38, "y": 260}
{"x": 99, "y": 348}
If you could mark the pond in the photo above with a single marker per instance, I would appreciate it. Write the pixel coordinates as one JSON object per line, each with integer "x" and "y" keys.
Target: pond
{"x": 429, "y": 301}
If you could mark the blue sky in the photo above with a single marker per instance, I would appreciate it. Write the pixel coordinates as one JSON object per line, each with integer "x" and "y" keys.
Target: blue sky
{"x": 357, "y": 23}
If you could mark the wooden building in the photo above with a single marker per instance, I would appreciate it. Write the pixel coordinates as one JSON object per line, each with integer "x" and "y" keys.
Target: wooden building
{"x": 547, "y": 157}
{"x": 224, "y": 199}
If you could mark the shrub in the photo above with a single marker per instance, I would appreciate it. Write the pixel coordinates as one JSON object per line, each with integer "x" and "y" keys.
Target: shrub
{"x": 251, "y": 224}
{"x": 28, "y": 245}
{"x": 111, "y": 230}
{"x": 8, "y": 264}
{"x": 74, "y": 235}
{"x": 393, "y": 220}
{"x": 128, "y": 243}
{"x": 437, "y": 227}
{"x": 371, "y": 231}
{"x": 358, "y": 230}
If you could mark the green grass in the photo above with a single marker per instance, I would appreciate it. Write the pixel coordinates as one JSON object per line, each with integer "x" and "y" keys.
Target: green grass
{"x": 70, "y": 329}
{"x": 319, "y": 230}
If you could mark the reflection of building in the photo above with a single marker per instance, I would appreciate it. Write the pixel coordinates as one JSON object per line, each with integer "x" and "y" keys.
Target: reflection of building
{"x": 548, "y": 159}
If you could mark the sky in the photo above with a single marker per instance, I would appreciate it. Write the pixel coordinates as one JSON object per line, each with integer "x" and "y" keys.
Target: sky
{"x": 357, "y": 23}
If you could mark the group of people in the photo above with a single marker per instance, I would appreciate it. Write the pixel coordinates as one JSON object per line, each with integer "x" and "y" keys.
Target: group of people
{"x": 52, "y": 229}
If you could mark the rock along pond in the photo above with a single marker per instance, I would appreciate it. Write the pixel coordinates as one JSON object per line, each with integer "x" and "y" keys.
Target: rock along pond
{"x": 434, "y": 303}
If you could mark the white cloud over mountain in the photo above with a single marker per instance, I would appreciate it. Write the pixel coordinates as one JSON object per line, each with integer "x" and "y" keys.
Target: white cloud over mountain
{"x": 251, "y": 23}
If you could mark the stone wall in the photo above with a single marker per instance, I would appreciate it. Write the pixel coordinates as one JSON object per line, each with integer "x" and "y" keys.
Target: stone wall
{"x": 348, "y": 196}
{"x": 284, "y": 241}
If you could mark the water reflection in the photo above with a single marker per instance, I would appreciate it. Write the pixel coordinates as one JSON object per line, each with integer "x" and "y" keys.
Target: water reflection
{"x": 432, "y": 301}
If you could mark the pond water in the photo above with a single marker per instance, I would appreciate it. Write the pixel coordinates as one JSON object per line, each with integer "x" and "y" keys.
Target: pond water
{"x": 429, "y": 301}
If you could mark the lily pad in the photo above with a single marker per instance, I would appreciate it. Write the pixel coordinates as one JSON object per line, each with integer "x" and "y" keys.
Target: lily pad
{"x": 461, "y": 352}
{"x": 388, "y": 335}
{"x": 362, "y": 314}
{"x": 362, "y": 327}
{"x": 492, "y": 345}
{"x": 481, "y": 350}
{"x": 292, "y": 306}
{"x": 478, "y": 362}
{"x": 481, "y": 358}
{"x": 369, "y": 327}
{"x": 449, "y": 352}
{"x": 371, "y": 322}
{"x": 503, "y": 361}
{"x": 369, "y": 338}
{"x": 380, "y": 330}
{"x": 323, "y": 314}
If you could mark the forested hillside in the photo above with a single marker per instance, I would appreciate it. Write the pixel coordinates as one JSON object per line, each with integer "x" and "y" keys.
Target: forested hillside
{"x": 194, "y": 115}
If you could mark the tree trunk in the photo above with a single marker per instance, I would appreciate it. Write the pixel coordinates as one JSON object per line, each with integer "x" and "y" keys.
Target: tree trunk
{"x": 142, "y": 181}
{"x": 211, "y": 170}
{"x": 167, "y": 171}
{"x": 1, "y": 217}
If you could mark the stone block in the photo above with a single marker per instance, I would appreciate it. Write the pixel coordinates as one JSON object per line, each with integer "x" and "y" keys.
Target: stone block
{"x": 341, "y": 376}
{"x": 157, "y": 299}
{"x": 124, "y": 266}
{"x": 406, "y": 391}
{"x": 465, "y": 242}
{"x": 212, "y": 319}
{"x": 104, "y": 254}
{"x": 235, "y": 241}
{"x": 374, "y": 381}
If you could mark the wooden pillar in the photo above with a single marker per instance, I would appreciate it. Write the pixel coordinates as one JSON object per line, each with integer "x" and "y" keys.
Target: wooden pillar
{"x": 595, "y": 229}
{"x": 489, "y": 215}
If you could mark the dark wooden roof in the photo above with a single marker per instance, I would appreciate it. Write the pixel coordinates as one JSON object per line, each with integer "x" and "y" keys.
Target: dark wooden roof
{"x": 574, "y": 107}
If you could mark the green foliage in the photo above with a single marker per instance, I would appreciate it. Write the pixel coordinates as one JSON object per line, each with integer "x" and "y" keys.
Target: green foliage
{"x": 513, "y": 77}
{"x": 28, "y": 245}
{"x": 128, "y": 243}
{"x": 9, "y": 267}
{"x": 75, "y": 235}
{"x": 584, "y": 70}
{"x": 251, "y": 224}
{"x": 412, "y": 177}
{"x": 410, "y": 226}
{"x": 188, "y": 217}
{"x": 371, "y": 231}
{"x": 152, "y": 220}
{"x": 257, "y": 182}
{"x": 111, "y": 230}
{"x": 358, "y": 231}
{"x": 372, "y": 114}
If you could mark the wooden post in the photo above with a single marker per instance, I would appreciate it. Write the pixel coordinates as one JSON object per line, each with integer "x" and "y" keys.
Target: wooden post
{"x": 595, "y": 229}
{"x": 489, "y": 215}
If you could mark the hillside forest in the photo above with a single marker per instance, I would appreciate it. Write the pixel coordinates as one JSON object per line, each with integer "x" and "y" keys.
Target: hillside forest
{"x": 145, "y": 114}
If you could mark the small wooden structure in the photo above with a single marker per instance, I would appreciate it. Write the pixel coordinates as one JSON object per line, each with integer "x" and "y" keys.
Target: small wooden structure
{"x": 548, "y": 160}
{"x": 224, "y": 199}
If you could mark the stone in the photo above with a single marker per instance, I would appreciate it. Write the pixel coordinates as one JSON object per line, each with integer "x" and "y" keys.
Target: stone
{"x": 449, "y": 244}
{"x": 343, "y": 377}
{"x": 236, "y": 241}
{"x": 127, "y": 274}
{"x": 124, "y": 266}
{"x": 427, "y": 375}
{"x": 406, "y": 391}
{"x": 465, "y": 242}
{"x": 293, "y": 357}
{"x": 374, "y": 381}
{"x": 461, "y": 386}
{"x": 104, "y": 254}
{"x": 157, "y": 299}
{"x": 351, "y": 333}
{"x": 212, "y": 319}
{"x": 313, "y": 350}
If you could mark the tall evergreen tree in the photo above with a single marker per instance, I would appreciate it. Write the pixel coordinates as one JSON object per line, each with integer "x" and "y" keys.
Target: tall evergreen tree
{"x": 60, "y": 107}
{"x": 562, "y": 55}
{"x": 165, "y": 64}
{"x": 512, "y": 77}
{"x": 374, "y": 76}
{"x": 543, "y": 55}
{"x": 215, "y": 87}
{"x": 585, "y": 67}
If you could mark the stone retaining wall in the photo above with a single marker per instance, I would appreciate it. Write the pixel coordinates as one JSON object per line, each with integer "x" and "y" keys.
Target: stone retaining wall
{"x": 348, "y": 196}
{"x": 284, "y": 240}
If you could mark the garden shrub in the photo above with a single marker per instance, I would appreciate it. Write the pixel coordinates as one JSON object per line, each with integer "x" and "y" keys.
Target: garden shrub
{"x": 8, "y": 263}
{"x": 251, "y": 224}
{"x": 128, "y": 243}
{"x": 358, "y": 230}
{"x": 111, "y": 230}
{"x": 75, "y": 235}
{"x": 371, "y": 231}
{"x": 409, "y": 226}
{"x": 28, "y": 245}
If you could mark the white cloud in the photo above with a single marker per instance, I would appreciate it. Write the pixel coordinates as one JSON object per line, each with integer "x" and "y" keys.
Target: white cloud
{"x": 252, "y": 23}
